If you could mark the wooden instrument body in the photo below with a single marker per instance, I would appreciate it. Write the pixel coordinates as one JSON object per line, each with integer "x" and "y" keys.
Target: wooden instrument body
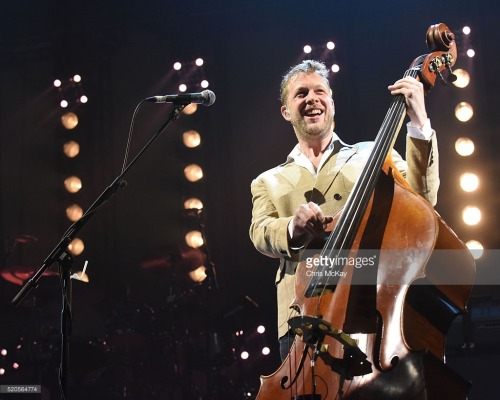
{"x": 406, "y": 344}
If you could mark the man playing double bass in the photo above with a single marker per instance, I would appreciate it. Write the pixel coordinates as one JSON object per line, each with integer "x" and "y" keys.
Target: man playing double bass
{"x": 293, "y": 202}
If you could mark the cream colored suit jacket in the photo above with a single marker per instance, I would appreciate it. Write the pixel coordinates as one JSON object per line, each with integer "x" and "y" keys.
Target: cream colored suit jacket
{"x": 278, "y": 192}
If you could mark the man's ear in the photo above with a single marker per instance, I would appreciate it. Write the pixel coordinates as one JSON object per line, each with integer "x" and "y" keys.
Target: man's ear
{"x": 285, "y": 113}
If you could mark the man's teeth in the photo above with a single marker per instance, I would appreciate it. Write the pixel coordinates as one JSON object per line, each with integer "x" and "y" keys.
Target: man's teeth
{"x": 314, "y": 112}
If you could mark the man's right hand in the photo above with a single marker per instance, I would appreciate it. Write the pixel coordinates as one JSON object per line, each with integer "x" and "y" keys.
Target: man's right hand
{"x": 308, "y": 222}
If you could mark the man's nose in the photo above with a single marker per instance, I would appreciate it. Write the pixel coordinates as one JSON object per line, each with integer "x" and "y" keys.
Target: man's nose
{"x": 311, "y": 97}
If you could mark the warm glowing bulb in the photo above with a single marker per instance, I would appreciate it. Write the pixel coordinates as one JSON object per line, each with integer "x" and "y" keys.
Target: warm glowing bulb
{"x": 76, "y": 246}
{"x": 71, "y": 149}
{"x": 64, "y": 103}
{"x": 204, "y": 84}
{"x": 464, "y": 146}
{"x": 307, "y": 49}
{"x": 177, "y": 66}
{"x": 190, "y": 109}
{"x": 335, "y": 68}
{"x": 193, "y": 172}
{"x": 191, "y": 139}
{"x": 74, "y": 212}
{"x": 84, "y": 99}
{"x": 69, "y": 120}
{"x": 182, "y": 87}
{"x": 463, "y": 78}
{"x": 199, "y": 274}
{"x": 77, "y": 78}
{"x": 464, "y": 111}
{"x": 199, "y": 62}
{"x": 57, "y": 83}
{"x": 469, "y": 182}
{"x": 476, "y": 248}
{"x": 330, "y": 45}
{"x": 466, "y": 30}
{"x": 471, "y": 215}
{"x": 73, "y": 184}
{"x": 193, "y": 202}
{"x": 194, "y": 239}
{"x": 471, "y": 53}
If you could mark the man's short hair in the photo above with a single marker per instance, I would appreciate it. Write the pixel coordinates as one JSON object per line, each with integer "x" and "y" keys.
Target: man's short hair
{"x": 308, "y": 67}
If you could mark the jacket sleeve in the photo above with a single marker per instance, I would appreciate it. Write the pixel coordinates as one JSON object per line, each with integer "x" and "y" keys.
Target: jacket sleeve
{"x": 268, "y": 231}
{"x": 422, "y": 158}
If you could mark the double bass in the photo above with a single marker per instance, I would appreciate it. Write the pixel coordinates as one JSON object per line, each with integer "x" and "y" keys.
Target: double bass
{"x": 377, "y": 329}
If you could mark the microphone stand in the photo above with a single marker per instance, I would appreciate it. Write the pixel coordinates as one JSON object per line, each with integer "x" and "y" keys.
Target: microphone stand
{"x": 63, "y": 257}
{"x": 212, "y": 287}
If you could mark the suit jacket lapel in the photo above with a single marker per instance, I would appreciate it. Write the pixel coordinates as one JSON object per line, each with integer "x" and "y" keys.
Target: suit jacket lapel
{"x": 315, "y": 189}
{"x": 329, "y": 172}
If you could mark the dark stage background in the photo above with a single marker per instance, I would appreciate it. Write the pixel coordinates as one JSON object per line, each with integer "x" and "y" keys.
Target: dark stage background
{"x": 139, "y": 333}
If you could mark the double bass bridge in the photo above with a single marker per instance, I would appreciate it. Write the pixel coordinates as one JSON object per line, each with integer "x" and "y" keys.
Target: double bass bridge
{"x": 313, "y": 331}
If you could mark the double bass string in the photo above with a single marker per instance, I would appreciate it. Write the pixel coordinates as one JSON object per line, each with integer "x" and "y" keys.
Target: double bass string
{"x": 342, "y": 237}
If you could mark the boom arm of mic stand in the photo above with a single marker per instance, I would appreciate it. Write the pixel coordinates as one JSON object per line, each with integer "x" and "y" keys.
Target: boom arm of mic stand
{"x": 60, "y": 252}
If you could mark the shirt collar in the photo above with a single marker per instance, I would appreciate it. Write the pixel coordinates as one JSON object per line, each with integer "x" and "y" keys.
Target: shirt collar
{"x": 296, "y": 150}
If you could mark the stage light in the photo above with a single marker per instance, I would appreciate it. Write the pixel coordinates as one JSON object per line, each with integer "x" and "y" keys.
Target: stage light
{"x": 464, "y": 146}
{"x": 177, "y": 66}
{"x": 182, "y": 87}
{"x": 77, "y": 78}
{"x": 76, "y": 246}
{"x": 466, "y": 30}
{"x": 73, "y": 184}
{"x": 463, "y": 78}
{"x": 193, "y": 202}
{"x": 261, "y": 329}
{"x": 3, "y": 352}
{"x": 335, "y": 68}
{"x": 2, "y": 371}
{"x": 204, "y": 84}
{"x": 266, "y": 351}
{"x": 57, "y": 83}
{"x": 194, "y": 239}
{"x": 307, "y": 49}
{"x": 193, "y": 172}
{"x": 63, "y": 103}
{"x": 74, "y": 212}
{"x": 469, "y": 181}
{"x": 199, "y": 274}
{"x": 69, "y": 120}
{"x": 71, "y": 149}
{"x": 199, "y": 62}
{"x": 330, "y": 45}
{"x": 191, "y": 139}
{"x": 471, "y": 53}
{"x": 15, "y": 365}
{"x": 471, "y": 215}
{"x": 464, "y": 111}
{"x": 476, "y": 248}
{"x": 190, "y": 109}
{"x": 84, "y": 99}
{"x": 244, "y": 355}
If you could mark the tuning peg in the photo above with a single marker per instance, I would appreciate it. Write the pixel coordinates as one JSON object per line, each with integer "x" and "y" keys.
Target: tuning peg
{"x": 451, "y": 77}
{"x": 443, "y": 81}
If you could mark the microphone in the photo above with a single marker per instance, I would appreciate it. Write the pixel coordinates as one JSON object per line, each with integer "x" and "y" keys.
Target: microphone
{"x": 207, "y": 98}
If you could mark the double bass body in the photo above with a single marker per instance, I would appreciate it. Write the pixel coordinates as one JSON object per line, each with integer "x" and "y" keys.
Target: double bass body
{"x": 381, "y": 341}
